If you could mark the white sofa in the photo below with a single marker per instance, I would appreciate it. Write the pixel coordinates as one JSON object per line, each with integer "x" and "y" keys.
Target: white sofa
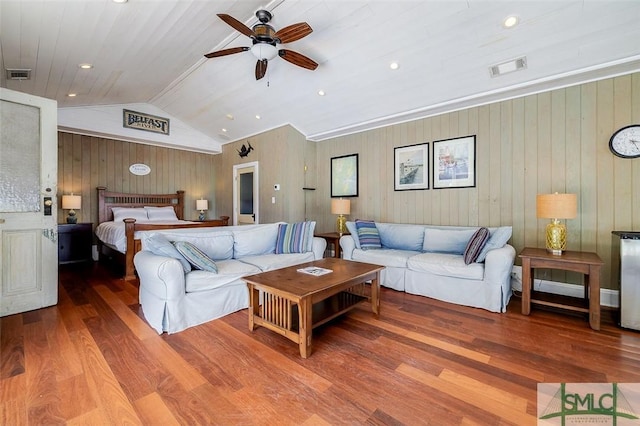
{"x": 428, "y": 260}
{"x": 173, "y": 299}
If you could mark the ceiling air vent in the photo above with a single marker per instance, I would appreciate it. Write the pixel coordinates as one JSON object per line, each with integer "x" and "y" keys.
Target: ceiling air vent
{"x": 18, "y": 74}
{"x": 507, "y": 67}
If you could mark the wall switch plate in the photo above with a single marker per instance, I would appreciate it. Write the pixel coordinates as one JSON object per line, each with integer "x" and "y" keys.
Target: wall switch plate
{"x": 273, "y": 200}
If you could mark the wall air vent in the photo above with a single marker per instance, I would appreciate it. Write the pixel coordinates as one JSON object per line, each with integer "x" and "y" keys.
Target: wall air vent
{"x": 507, "y": 67}
{"x": 18, "y": 74}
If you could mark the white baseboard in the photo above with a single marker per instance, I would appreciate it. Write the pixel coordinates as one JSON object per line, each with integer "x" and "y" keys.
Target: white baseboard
{"x": 607, "y": 297}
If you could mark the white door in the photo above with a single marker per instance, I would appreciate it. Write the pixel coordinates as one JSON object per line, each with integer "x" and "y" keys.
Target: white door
{"x": 245, "y": 194}
{"x": 28, "y": 212}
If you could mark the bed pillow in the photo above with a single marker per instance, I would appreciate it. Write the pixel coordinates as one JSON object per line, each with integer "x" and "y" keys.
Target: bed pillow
{"x": 122, "y": 213}
{"x": 295, "y": 237}
{"x": 161, "y": 213}
{"x": 368, "y": 234}
{"x": 160, "y": 245}
{"x": 475, "y": 245}
{"x": 196, "y": 257}
{"x": 498, "y": 238}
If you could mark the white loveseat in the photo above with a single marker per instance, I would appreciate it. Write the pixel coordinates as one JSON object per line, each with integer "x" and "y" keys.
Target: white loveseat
{"x": 173, "y": 299}
{"x": 428, "y": 260}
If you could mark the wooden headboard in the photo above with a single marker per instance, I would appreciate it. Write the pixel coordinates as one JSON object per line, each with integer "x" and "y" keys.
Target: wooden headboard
{"x": 108, "y": 200}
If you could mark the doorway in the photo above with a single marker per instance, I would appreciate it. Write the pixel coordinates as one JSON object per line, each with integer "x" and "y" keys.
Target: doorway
{"x": 245, "y": 194}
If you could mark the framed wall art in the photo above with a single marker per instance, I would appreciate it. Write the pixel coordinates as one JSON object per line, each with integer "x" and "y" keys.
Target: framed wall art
{"x": 344, "y": 176}
{"x": 454, "y": 163}
{"x": 411, "y": 167}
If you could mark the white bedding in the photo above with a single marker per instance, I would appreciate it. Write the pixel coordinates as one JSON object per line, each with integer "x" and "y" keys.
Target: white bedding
{"x": 112, "y": 234}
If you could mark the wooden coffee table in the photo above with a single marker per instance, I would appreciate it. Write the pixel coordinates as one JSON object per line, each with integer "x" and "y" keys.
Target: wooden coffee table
{"x": 293, "y": 303}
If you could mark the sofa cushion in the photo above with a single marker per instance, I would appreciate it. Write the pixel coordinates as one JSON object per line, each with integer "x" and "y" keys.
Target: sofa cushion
{"x": 384, "y": 257}
{"x": 255, "y": 240}
{"x": 268, "y": 262}
{"x": 295, "y": 237}
{"x": 160, "y": 245}
{"x": 475, "y": 245}
{"x": 451, "y": 265}
{"x": 195, "y": 256}
{"x": 216, "y": 243}
{"x": 401, "y": 236}
{"x": 454, "y": 241}
{"x": 228, "y": 272}
{"x": 497, "y": 239}
{"x": 368, "y": 234}
{"x": 351, "y": 227}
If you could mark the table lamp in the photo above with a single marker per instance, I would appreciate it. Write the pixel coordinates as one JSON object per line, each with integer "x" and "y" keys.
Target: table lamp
{"x": 71, "y": 203}
{"x": 341, "y": 207}
{"x": 202, "y": 205}
{"x": 555, "y": 207}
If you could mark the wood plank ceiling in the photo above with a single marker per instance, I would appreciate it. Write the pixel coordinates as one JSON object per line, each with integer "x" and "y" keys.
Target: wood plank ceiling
{"x": 152, "y": 52}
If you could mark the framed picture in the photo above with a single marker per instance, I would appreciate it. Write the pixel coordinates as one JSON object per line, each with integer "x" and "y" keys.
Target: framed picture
{"x": 454, "y": 163}
{"x": 344, "y": 176}
{"x": 411, "y": 167}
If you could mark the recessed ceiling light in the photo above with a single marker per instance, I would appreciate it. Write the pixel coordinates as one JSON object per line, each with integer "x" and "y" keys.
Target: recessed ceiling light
{"x": 258, "y": 117}
{"x": 72, "y": 95}
{"x": 321, "y": 92}
{"x": 224, "y": 130}
{"x": 394, "y": 65}
{"x": 85, "y": 66}
{"x": 510, "y": 21}
{"x": 230, "y": 116}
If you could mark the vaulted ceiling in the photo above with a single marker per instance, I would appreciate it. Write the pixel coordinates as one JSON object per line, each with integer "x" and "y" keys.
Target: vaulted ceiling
{"x": 151, "y": 52}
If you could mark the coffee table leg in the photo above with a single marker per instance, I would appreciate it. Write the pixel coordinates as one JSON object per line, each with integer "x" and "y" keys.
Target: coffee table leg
{"x": 375, "y": 295}
{"x": 306, "y": 327}
{"x": 254, "y": 305}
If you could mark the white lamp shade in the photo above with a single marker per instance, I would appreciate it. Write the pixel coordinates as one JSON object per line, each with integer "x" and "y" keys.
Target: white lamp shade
{"x": 202, "y": 205}
{"x": 71, "y": 202}
{"x": 340, "y": 206}
{"x": 557, "y": 206}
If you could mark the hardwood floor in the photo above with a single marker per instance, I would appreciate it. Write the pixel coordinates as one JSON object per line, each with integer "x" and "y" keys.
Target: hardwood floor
{"x": 92, "y": 359}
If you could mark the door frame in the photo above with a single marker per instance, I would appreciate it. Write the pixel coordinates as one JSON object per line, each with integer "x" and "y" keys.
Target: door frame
{"x": 256, "y": 190}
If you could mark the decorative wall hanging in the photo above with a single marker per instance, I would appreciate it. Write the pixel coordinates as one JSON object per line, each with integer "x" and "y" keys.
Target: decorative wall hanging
{"x": 139, "y": 169}
{"x": 244, "y": 151}
{"x": 411, "y": 167}
{"x": 454, "y": 163}
{"x": 344, "y": 176}
{"x": 142, "y": 121}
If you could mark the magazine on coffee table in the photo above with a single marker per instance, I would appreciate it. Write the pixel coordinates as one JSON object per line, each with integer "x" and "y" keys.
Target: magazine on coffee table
{"x": 315, "y": 270}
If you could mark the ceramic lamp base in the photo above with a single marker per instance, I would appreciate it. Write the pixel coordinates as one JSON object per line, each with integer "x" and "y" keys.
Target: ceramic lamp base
{"x": 341, "y": 224}
{"x": 556, "y": 237}
{"x": 202, "y": 216}
{"x": 72, "y": 218}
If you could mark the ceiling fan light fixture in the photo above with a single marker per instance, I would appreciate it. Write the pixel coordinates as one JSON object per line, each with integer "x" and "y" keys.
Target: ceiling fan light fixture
{"x": 264, "y": 51}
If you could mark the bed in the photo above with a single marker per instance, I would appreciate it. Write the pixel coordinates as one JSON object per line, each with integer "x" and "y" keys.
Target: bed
{"x": 117, "y": 239}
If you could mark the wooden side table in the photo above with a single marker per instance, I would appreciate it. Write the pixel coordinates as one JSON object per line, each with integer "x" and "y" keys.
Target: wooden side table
{"x": 586, "y": 263}
{"x": 333, "y": 238}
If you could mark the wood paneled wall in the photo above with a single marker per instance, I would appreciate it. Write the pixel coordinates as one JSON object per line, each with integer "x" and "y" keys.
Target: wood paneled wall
{"x": 85, "y": 162}
{"x": 553, "y": 141}
{"x": 282, "y": 155}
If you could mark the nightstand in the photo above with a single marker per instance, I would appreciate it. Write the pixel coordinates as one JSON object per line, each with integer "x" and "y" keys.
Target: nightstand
{"x": 333, "y": 238}
{"x": 75, "y": 242}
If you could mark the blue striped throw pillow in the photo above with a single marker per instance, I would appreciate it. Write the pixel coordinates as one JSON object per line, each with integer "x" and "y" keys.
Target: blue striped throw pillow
{"x": 368, "y": 234}
{"x": 295, "y": 237}
{"x": 195, "y": 256}
{"x": 475, "y": 245}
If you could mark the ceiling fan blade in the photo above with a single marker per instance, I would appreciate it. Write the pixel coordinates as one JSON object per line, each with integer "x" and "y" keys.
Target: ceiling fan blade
{"x": 293, "y": 32}
{"x": 261, "y": 68}
{"x": 236, "y": 25}
{"x": 297, "y": 59}
{"x": 225, "y": 52}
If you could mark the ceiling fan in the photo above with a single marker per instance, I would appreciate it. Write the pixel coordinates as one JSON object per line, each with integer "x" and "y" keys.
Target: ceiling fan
{"x": 265, "y": 38}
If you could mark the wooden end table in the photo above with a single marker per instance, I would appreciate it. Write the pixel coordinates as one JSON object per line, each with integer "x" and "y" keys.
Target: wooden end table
{"x": 586, "y": 263}
{"x": 293, "y": 303}
{"x": 333, "y": 238}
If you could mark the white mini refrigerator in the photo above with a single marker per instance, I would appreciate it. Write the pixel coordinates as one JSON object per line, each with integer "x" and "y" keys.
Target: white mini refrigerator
{"x": 625, "y": 269}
